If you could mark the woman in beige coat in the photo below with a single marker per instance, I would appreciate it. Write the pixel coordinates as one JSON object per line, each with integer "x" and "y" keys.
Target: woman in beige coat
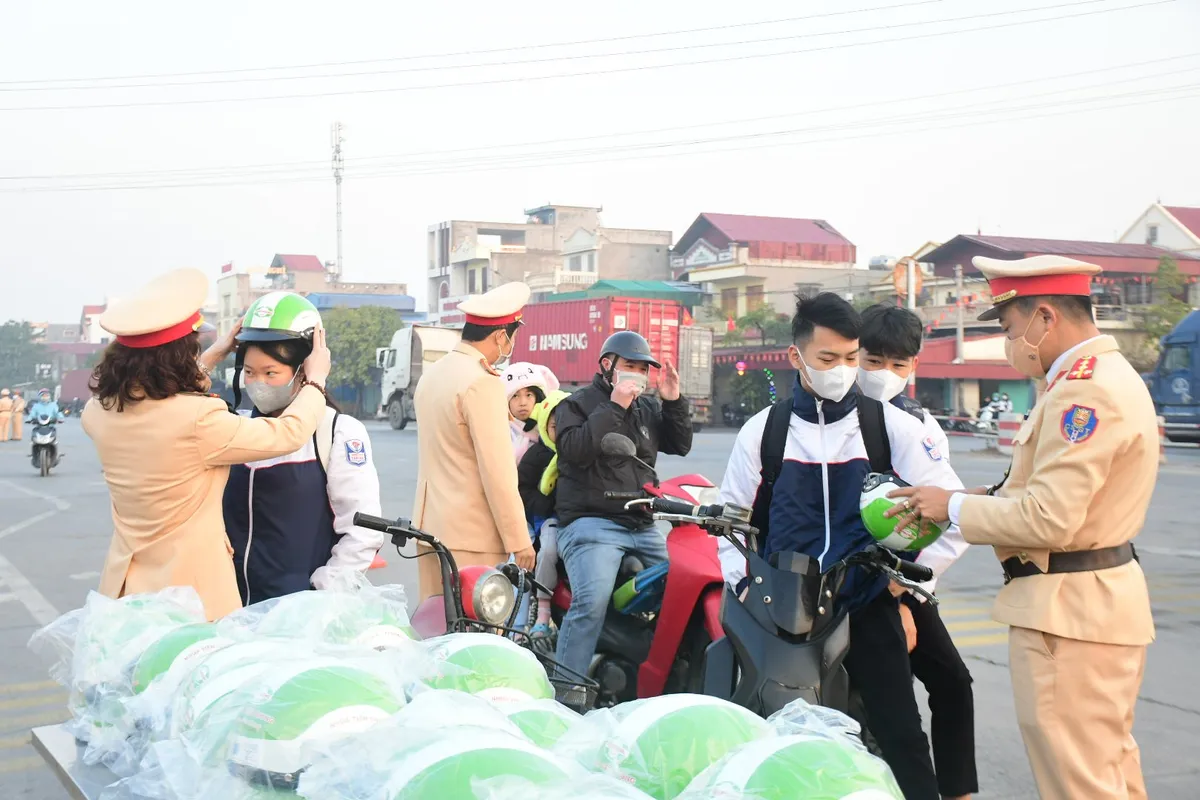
{"x": 166, "y": 446}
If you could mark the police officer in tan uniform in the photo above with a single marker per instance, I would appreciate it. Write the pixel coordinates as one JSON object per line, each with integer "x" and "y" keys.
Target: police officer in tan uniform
{"x": 165, "y": 446}
{"x": 466, "y": 478}
{"x": 1083, "y": 469}
{"x": 18, "y": 418}
{"x": 6, "y": 407}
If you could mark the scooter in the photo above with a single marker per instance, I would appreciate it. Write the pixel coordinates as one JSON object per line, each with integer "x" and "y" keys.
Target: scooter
{"x": 45, "y": 444}
{"x": 661, "y": 618}
{"x": 787, "y": 638}
{"x": 479, "y": 599}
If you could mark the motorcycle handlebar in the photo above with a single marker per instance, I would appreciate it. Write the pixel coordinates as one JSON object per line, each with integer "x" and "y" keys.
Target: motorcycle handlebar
{"x": 624, "y": 495}
{"x": 910, "y": 570}
{"x": 918, "y": 573}
{"x": 663, "y": 505}
{"x": 372, "y": 522}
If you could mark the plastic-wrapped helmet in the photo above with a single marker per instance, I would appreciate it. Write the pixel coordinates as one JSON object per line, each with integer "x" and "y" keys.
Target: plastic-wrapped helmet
{"x": 543, "y": 721}
{"x": 662, "y": 743}
{"x": 176, "y": 654}
{"x": 629, "y": 345}
{"x": 874, "y": 502}
{"x": 787, "y": 767}
{"x": 490, "y": 666}
{"x": 365, "y": 618}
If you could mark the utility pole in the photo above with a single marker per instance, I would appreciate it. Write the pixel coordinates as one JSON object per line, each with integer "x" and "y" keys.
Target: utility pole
{"x": 335, "y": 138}
{"x": 959, "y": 333}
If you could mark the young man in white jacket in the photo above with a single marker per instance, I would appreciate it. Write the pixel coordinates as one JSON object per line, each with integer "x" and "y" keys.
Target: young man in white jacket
{"x": 814, "y": 510}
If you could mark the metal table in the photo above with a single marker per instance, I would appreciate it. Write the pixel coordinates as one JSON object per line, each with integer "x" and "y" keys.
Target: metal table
{"x": 65, "y": 757}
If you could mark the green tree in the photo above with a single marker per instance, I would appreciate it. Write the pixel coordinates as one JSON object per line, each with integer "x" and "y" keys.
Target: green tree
{"x": 1159, "y": 319}
{"x": 771, "y": 326}
{"x": 353, "y": 335}
{"x": 753, "y": 389}
{"x": 19, "y": 354}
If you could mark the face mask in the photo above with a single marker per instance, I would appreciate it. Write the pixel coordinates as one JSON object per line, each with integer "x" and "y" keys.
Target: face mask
{"x": 881, "y": 384}
{"x": 504, "y": 357}
{"x": 269, "y": 399}
{"x": 830, "y": 384}
{"x": 1024, "y": 356}
{"x": 641, "y": 380}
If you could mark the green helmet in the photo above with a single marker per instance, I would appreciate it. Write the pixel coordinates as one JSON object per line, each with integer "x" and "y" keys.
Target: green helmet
{"x": 662, "y": 743}
{"x": 874, "y": 502}
{"x": 370, "y": 618}
{"x": 807, "y": 765}
{"x": 175, "y": 654}
{"x": 543, "y": 721}
{"x": 279, "y": 316}
{"x": 491, "y": 666}
{"x": 308, "y": 701}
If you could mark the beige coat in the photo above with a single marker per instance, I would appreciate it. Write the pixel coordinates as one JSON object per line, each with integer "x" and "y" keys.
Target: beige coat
{"x": 166, "y": 463}
{"x": 1064, "y": 495}
{"x": 466, "y": 478}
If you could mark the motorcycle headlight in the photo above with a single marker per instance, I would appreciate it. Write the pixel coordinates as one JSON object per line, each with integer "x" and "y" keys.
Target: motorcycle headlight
{"x": 493, "y": 598}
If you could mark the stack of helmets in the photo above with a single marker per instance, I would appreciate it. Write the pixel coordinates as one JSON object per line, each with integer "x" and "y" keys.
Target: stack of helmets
{"x": 368, "y": 618}
{"x": 490, "y": 666}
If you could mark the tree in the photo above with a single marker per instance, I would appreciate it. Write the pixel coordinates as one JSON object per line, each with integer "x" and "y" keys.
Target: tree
{"x": 1160, "y": 318}
{"x": 753, "y": 389}
{"x": 353, "y": 335}
{"x": 20, "y": 355}
{"x": 771, "y": 326}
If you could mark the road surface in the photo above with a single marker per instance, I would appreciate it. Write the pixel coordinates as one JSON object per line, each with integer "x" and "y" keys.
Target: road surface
{"x": 54, "y": 533}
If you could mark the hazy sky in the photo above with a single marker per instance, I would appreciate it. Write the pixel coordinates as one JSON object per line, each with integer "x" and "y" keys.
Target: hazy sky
{"x": 895, "y": 142}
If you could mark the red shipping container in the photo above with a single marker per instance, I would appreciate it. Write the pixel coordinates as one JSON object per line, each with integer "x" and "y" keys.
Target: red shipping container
{"x": 567, "y": 336}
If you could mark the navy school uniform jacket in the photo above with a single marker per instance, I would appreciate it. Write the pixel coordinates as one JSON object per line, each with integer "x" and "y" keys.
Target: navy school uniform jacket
{"x": 814, "y": 509}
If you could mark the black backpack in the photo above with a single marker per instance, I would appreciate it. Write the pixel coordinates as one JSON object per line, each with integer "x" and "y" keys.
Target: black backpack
{"x": 874, "y": 433}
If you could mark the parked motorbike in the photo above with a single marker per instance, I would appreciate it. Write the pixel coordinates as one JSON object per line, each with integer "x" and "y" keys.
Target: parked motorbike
{"x": 735, "y": 416}
{"x": 479, "y": 599}
{"x": 45, "y": 444}
{"x": 662, "y": 617}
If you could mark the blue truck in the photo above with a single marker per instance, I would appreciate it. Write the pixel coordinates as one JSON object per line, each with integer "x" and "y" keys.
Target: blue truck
{"x": 1175, "y": 382}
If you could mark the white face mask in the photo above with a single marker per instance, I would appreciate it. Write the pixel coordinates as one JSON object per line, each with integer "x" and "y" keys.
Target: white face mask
{"x": 640, "y": 379}
{"x": 269, "y": 399}
{"x": 830, "y": 384}
{"x": 881, "y": 384}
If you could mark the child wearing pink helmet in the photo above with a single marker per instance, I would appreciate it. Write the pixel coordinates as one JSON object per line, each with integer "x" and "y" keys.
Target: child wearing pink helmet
{"x": 525, "y": 385}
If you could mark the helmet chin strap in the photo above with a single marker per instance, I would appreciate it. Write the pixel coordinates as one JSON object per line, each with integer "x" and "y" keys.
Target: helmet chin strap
{"x": 238, "y": 361}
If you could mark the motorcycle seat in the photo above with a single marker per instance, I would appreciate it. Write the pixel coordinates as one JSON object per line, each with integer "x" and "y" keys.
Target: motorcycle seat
{"x": 631, "y": 565}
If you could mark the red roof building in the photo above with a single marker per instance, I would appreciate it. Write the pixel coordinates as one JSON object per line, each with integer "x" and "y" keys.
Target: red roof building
{"x": 1172, "y": 227}
{"x": 747, "y": 261}
{"x": 295, "y": 263}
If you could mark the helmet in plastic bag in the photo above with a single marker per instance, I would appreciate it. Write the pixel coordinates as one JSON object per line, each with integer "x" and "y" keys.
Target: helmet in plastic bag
{"x": 543, "y": 721}
{"x": 810, "y": 766}
{"x": 662, "y": 743}
{"x": 362, "y": 618}
{"x": 314, "y": 700}
{"x": 874, "y": 501}
{"x": 490, "y": 666}
{"x": 176, "y": 653}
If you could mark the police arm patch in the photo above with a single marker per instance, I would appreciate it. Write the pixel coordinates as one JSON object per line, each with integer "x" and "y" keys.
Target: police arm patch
{"x": 356, "y": 452}
{"x": 1079, "y": 423}
{"x": 931, "y": 449}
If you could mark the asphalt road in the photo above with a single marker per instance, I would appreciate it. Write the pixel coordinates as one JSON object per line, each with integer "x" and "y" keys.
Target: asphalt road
{"x": 54, "y": 533}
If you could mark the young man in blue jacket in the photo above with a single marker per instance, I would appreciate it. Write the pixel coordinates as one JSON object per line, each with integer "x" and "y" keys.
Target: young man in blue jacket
{"x": 814, "y": 510}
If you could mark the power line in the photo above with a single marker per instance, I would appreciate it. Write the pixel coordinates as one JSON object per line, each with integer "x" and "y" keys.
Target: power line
{"x": 219, "y": 171}
{"x": 586, "y": 73}
{"x": 519, "y": 48}
{"x": 584, "y": 157}
{"x": 552, "y": 59}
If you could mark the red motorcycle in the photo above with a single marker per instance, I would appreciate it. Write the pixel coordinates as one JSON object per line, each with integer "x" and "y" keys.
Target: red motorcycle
{"x": 661, "y": 618}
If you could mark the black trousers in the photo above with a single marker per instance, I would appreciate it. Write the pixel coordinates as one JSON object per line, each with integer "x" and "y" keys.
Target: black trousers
{"x": 880, "y": 670}
{"x": 937, "y": 664}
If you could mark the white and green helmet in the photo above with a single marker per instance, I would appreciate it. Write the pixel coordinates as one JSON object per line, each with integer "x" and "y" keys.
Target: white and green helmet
{"x": 174, "y": 655}
{"x": 369, "y": 619}
{"x": 874, "y": 502}
{"x": 279, "y": 316}
{"x": 544, "y": 722}
{"x": 662, "y": 743}
{"x": 299, "y": 704}
{"x": 808, "y": 765}
{"x": 490, "y": 666}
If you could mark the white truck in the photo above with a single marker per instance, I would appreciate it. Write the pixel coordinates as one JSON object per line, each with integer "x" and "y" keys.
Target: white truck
{"x": 696, "y": 372}
{"x": 403, "y": 362}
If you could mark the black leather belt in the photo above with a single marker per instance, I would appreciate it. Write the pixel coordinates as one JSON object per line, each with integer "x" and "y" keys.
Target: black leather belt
{"x": 1075, "y": 561}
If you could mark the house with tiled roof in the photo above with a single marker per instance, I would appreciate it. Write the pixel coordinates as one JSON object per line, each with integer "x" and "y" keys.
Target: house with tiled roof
{"x": 1172, "y": 227}
{"x": 745, "y": 262}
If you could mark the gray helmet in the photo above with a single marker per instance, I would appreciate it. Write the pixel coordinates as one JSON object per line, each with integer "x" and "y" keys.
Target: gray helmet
{"x": 630, "y": 346}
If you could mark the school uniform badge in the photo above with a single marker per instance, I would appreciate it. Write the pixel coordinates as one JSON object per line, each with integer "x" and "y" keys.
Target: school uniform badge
{"x": 1079, "y": 423}
{"x": 356, "y": 452}
{"x": 931, "y": 449}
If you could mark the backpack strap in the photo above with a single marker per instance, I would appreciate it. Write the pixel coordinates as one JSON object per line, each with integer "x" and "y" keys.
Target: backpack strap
{"x": 774, "y": 441}
{"x": 874, "y": 432}
{"x": 323, "y": 438}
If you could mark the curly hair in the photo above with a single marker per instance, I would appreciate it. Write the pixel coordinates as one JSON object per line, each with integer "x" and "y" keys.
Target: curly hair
{"x": 127, "y": 374}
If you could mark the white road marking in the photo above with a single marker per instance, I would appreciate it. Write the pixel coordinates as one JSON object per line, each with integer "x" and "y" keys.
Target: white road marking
{"x": 41, "y": 609}
{"x": 59, "y": 503}
{"x": 86, "y": 576}
{"x": 23, "y": 524}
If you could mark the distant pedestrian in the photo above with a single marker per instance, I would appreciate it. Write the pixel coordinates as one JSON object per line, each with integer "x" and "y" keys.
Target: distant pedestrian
{"x": 18, "y": 415}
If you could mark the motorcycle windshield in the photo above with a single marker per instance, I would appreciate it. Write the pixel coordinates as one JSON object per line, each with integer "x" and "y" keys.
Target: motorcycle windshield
{"x": 787, "y": 592}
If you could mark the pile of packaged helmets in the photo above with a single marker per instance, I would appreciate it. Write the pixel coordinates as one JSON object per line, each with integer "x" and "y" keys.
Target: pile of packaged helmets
{"x": 331, "y": 696}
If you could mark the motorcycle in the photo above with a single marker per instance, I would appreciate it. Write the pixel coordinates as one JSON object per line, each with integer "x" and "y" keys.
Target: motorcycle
{"x": 661, "y": 618}
{"x": 45, "y": 444}
{"x": 788, "y": 637}
{"x": 480, "y": 599}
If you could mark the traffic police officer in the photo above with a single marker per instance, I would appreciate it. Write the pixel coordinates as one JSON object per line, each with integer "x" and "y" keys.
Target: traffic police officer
{"x": 18, "y": 415}
{"x": 6, "y": 407}
{"x": 1083, "y": 470}
{"x": 466, "y": 477}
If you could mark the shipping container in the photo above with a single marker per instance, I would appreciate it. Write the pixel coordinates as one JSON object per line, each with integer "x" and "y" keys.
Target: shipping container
{"x": 567, "y": 336}
{"x": 74, "y": 384}
{"x": 696, "y": 371}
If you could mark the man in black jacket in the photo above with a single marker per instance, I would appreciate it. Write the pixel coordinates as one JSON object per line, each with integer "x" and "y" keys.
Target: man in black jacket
{"x": 595, "y": 533}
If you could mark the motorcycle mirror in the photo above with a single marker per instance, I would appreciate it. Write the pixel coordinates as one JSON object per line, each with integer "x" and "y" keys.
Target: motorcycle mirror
{"x": 618, "y": 444}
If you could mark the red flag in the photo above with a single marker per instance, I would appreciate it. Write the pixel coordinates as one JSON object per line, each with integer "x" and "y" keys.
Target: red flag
{"x": 227, "y": 268}
{"x": 730, "y": 325}
{"x": 687, "y": 319}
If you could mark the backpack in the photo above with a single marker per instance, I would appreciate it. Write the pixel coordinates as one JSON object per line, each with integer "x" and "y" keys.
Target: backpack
{"x": 323, "y": 438}
{"x": 874, "y": 433}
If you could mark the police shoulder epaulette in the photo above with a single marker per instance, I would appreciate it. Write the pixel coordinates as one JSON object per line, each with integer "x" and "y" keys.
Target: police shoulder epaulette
{"x": 1083, "y": 369}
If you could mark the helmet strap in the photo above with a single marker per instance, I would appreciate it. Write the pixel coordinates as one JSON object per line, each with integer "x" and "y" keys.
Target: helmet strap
{"x": 238, "y": 361}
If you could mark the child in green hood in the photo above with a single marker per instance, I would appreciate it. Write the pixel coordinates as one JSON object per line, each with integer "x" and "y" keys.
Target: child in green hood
{"x": 537, "y": 475}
